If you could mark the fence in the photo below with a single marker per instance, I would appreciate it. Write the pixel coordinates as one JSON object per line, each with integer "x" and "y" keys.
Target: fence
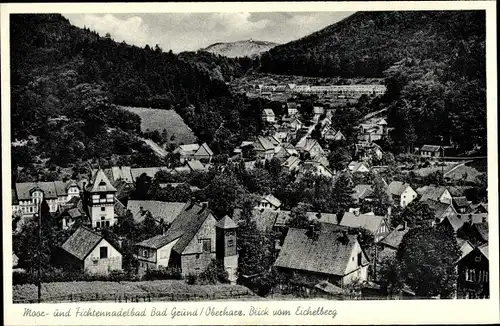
{"x": 142, "y": 296}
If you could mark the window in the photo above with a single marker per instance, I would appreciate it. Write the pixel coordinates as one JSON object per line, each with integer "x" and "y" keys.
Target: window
{"x": 103, "y": 209}
{"x": 145, "y": 253}
{"x": 206, "y": 245}
{"x": 230, "y": 242}
{"x": 359, "y": 259}
{"x": 107, "y": 223}
{"x": 485, "y": 277}
{"x": 102, "y": 196}
{"x": 103, "y": 218}
{"x": 478, "y": 258}
{"x": 103, "y": 252}
{"x": 197, "y": 256}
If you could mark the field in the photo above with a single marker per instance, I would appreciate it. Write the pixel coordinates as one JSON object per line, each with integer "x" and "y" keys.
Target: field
{"x": 153, "y": 119}
{"x": 161, "y": 290}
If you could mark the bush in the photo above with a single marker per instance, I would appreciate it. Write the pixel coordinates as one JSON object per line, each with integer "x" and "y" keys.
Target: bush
{"x": 191, "y": 279}
{"x": 169, "y": 273}
{"x": 215, "y": 273}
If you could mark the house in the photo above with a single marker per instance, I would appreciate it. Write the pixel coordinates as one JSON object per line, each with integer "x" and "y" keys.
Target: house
{"x": 441, "y": 210}
{"x": 264, "y": 148}
{"x": 27, "y": 195}
{"x": 285, "y": 151}
{"x": 322, "y": 159}
{"x": 195, "y": 165}
{"x": 292, "y": 163}
{"x": 431, "y": 151}
{"x": 473, "y": 273}
{"x": 204, "y": 153}
{"x": 358, "y": 167}
{"x": 318, "y": 112}
{"x": 332, "y": 135}
{"x": 368, "y": 151}
{"x": 186, "y": 152}
{"x": 291, "y": 108}
{"x": 473, "y": 230}
{"x": 402, "y": 193}
{"x": 191, "y": 242}
{"x": 390, "y": 243}
{"x": 373, "y": 223}
{"x": 266, "y": 220}
{"x": 309, "y": 146}
{"x": 100, "y": 200}
{"x": 296, "y": 124}
{"x": 282, "y": 136}
{"x": 269, "y": 202}
{"x": 362, "y": 192}
{"x": 87, "y": 250}
{"x": 440, "y": 194}
{"x": 159, "y": 210}
{"x": 373, "y": 130}
{"x": 316, "y": 168}
{"x": 268, "y": 116}
{"x": 329, "y": 254}
{"x": 70, "y": 216}
{"x": 479, "y": 208}
{"x": 461, "y": 204}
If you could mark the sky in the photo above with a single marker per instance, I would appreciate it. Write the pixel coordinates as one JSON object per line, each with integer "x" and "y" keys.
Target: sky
{"x": 191, "y": 31}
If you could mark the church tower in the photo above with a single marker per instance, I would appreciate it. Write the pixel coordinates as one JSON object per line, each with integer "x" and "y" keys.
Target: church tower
{"x": 225, "y": 246}
{"x": 101, "y": 200}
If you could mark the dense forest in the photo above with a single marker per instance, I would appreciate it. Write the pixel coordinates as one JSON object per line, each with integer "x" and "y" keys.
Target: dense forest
{"x": 66, "y": 82}
{"x": 433, "y": 63}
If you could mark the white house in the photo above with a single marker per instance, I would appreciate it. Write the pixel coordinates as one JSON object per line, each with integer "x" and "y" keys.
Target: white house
{"x": 269, "y": 201}
{"x": 87, "y": 250}
{"x": 402, "y": 193}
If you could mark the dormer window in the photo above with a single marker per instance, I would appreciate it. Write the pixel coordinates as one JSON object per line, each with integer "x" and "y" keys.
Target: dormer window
{"x": 102, "y": 186}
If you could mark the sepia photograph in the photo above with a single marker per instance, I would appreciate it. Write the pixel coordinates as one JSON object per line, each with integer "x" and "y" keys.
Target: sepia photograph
{"x": 248, "y": 156}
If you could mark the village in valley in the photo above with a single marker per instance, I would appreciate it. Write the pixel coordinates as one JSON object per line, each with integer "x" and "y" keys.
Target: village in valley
{"x": 313, "y": 204}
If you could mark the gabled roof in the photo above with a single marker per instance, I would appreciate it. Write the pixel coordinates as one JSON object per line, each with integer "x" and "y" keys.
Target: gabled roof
{"x": 355, "y": 166}
{"x": 188, "y": 148}
{"x": 81, "y": 243}
{"x": 184, "y": 228}
{"x": 205, "y": 148}
{"x": 328, "y": 254}
{"x": 484, "y": 250}
{"x": 394, "y": 238}
{"x": 482, "y": 228}
{"x": 292, "y": 162}
{"x": 438, "y": 207}
{"x": 431, "y": 148}
{"x": 158, "y": 209}
{"x": 268, "y": 112}
{"x": 100, "y": 179}
{"x": 265, "y": 219}
{"x": 195, "y": 165}
{"x": 362, "y": 191}
{"x": 263, "y": 143}
{"x": 365, "y": 221}
{"x": 272, "y": 200}
{"x": 431, "y": 192}
{"x": 396, "y": 188}
{"x": 465, "y": 247}
{"x": 50, "y": 189}
{"x": 461, "y": 201}
{"x": 307, "y": 144}
{"x": 226, "y": 223}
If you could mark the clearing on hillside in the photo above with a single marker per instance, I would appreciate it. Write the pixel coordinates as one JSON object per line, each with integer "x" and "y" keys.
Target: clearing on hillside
{"x": 155, "y": 119}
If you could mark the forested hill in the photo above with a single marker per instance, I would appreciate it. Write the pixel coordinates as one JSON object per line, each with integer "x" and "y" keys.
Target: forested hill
{"x": 367, "y": 43}
{"x": 73, "y": 78}
{"x": 434, "y": 64}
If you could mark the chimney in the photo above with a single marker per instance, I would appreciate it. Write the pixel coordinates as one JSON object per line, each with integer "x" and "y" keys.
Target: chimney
{"x": 191, "y": 203}
{"x": 141, "y": 210}
{"x": 204, "y": 206}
